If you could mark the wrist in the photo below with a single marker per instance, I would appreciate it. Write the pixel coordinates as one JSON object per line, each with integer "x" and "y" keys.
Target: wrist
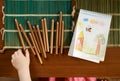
{"x": 23, "y": 70}
{"x": 24, "y": 75}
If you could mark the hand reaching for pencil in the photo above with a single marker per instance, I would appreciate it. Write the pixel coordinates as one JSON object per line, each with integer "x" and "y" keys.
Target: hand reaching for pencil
{"x": 21, "y": 64}
{"x": 20, "y": 61}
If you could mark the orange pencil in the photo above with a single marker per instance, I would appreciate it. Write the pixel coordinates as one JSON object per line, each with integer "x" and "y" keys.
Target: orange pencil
{"x": 26, "y": 38}
{"x": 36, "y": 39}
{"x": 46, "y": 35}
{"x": 62, "y": 36}
{"x": 57, "y": 29}
{"x": 41, "y": 42}
{"x": 20, "y": 35}
{"x": 35, "y": 48}
{"x": 32, "y": 33}
{"x": 52, "y": 36}
{"x": 43, "y": 33}
{"x": 60, "y": 27}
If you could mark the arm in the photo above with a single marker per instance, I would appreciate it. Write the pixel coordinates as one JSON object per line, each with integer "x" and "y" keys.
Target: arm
{"x": 21, "y": 63}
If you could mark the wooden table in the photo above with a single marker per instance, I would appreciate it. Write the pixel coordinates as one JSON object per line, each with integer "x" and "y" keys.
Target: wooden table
{"x": 63, "y": 65}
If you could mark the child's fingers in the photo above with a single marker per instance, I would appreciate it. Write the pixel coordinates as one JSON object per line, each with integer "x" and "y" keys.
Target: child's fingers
{"x": 11, "y": 60}
{"x": 13, "y": 56}
{"x": 27, "y": 53}
{"x": 16, "y": 54}
{"x": 20, "y": 52}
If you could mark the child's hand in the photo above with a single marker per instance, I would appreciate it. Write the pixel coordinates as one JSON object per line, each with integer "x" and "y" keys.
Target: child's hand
{"x": 20, "y": 61}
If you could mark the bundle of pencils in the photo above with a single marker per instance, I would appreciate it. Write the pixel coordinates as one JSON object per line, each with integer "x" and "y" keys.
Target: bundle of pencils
{"x": 35, "y": 37}
{"x": 40, "y": 43}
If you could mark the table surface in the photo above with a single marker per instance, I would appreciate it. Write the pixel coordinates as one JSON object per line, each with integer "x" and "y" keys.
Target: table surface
{"x": 63, "y": 65}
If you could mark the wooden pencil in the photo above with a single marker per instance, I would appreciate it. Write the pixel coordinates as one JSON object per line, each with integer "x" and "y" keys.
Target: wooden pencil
{"x": 57, "y": 29}
{"x": 40, "y": 59}
{"x": 31, "y": 30}
{"x": 27, "y": 39}
{"x": 46, "y": 35}
{"x": 20, "y": 35}
{"x": 52, "y": 36}
{"x": 60, "y": 27}
{"x": 35, "y": 41}
{"x": 41, "y": 42}
{"x": 35, "y": 37}
{"x": 43, "y": 34}
{"x": 62, "y": 36}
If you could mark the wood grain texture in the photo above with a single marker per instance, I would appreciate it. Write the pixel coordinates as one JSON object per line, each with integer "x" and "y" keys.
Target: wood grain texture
{"x": 1, "y": 25}
{"x": 63, "y": 65}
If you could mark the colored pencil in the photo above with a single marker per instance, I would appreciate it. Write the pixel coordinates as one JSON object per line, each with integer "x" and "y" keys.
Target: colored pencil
{"x": 60, "y": 27}
{"x": 62, "y": 36}
{"x": 20, "y": 35}
{"x": 43, "y": 33}
{"x": 46, "y": 35}
{"x": 35, "y": 48}
{"x": 57, "y": 29}
{"x": 41, "y": 42}
{"x": 32, "y": 33}
{"x": 36, "y": 38}
{"x": 52, "y": 36}
{"x": 26, "y": 38}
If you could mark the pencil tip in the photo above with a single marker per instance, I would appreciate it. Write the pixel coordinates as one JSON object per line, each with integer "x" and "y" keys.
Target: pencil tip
{"x": 28, "y": 21}
{"x": 15, "y": 19}
{"x": 20, "y": 25}
{"x": 52, "y": 20}
{"x": 57, "y": 22}
{"x": 33, "y": 26}
{"x": 44, "y": 18}
{"x": 60, "y": 12}
{"x": 37, "y": 25}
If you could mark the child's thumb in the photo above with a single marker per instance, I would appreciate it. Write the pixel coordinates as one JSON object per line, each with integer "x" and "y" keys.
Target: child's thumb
{"x": 27, "y": 53}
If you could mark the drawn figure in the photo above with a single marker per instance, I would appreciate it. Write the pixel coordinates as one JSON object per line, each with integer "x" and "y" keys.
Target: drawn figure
{"x": 79, "y": 42}
{"x": 100, "y": 40}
